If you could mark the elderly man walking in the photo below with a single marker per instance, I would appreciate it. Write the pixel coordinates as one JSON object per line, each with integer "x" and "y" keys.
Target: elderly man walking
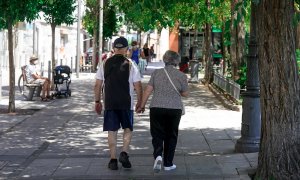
{"x": 120, "y": 77}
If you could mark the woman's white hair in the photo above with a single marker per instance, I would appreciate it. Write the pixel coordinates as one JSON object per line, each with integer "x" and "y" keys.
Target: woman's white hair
{"x": 171, "y": 58}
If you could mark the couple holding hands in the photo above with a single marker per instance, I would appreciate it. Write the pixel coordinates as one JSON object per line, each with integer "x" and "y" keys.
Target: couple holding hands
{"x": 121, "y": 78}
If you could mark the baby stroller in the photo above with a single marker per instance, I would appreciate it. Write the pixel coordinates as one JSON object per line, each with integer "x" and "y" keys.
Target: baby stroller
{"x": 62, "y": 80}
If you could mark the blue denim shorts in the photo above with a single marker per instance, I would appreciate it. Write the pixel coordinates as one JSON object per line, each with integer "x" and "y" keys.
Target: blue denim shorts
{"x": 115, "y": 119}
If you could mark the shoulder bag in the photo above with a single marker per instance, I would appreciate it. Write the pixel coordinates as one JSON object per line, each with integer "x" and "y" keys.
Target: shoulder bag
{"x": 183, "y": 108}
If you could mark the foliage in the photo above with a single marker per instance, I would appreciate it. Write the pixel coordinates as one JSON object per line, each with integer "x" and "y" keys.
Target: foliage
{"x": 14, "y": 11}
{"x": 58, "y": 12}
{"x": 298, "y": 59}
{"x": 243, "y": 77}
{"x": 91, "y": 18}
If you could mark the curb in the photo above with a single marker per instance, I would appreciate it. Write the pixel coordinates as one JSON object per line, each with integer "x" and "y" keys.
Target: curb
{"x": 225, "y": 102}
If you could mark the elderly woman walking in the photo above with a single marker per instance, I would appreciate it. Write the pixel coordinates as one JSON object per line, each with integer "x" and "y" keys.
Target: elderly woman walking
{"x": 165, "y": 109}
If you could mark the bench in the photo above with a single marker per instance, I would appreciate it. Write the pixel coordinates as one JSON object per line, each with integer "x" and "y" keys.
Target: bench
{"x": 28, "y": 90}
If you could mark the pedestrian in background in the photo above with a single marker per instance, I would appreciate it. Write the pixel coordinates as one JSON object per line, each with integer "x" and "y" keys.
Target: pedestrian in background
{"x": 134, "y": 52}
{"x": 121, "y": 78}
{"x": 33, "y": 77}
{"x": 146, "y": 53}
{"x": 152, "y": 54}
{"x": 165, "y": 109}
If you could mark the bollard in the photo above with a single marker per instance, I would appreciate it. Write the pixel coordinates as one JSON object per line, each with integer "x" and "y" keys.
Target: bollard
{"x": 75, "y": 64}
{"x": 194, "y": 67}
{"x": 42, "y": 69}
{"x": 71, "y": 64}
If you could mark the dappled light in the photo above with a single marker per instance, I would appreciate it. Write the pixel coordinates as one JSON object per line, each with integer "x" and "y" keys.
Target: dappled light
{"x": 66, "y": 136}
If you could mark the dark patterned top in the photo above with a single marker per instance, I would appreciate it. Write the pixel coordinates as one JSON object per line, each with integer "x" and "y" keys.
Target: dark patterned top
{"x": 164, "y": 94}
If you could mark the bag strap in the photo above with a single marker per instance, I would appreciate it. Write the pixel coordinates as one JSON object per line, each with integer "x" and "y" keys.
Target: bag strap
{"x": 172, "y": 82}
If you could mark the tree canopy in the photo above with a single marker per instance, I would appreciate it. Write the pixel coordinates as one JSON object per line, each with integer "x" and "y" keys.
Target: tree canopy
{"x": 91, "y": 18}
{"x": 58, "y": 12}
{"x": 14, "y": 11}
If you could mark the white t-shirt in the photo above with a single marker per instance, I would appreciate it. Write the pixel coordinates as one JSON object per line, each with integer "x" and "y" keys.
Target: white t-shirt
{"x": 134, "y": 76}
{"x": 30, "y": 70}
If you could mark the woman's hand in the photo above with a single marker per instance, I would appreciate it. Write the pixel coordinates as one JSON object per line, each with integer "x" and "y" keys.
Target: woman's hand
{"x": 140, "y": 110}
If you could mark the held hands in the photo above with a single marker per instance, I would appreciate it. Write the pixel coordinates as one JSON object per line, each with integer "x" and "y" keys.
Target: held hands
{"x": 139, "y": 108}
{"x": 98, "y": 108}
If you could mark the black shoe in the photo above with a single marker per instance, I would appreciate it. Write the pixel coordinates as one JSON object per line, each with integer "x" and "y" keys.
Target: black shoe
{"x": 113, "y": 164}
{"x": 124, "y": 159}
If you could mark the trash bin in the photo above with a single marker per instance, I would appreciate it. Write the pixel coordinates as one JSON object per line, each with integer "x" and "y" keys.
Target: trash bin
{"x": 183, "y": 65}
{"x": 194, "y": 69}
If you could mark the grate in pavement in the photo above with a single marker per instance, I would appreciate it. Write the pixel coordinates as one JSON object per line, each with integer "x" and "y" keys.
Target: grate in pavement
{"x": 2, "y": 164}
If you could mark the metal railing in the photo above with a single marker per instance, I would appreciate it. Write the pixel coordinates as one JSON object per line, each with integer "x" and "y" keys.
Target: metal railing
{"x": 227, "y": 85}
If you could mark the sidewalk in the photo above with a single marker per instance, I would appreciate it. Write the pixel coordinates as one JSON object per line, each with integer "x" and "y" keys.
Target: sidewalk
{"x": 63, "y": 139}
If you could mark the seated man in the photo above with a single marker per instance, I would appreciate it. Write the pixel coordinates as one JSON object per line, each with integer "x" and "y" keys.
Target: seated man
{"x": 34, "y": 78}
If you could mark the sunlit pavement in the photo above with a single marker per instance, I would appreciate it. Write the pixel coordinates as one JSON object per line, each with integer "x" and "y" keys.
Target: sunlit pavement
{"x": 64, "y": 140}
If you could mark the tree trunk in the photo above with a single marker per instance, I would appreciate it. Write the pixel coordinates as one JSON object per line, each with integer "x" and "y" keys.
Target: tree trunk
{"x": 223, "y": 49}
{"x": 11, "y": 104}
{"x": 240, "y": 51}
{"x": 53, "y": 53}
{"x": 280, "y": 87}
{"x": 95, "y": 49}
{"x": 207, "y": 57}
{"x": 233, "y": 40}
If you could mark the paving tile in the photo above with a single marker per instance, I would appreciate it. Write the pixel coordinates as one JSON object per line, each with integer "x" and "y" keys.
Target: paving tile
{"x": 231, "y": 158}
{"x": 74, "y": 166}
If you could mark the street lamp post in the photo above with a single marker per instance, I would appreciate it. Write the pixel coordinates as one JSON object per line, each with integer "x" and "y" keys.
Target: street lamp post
{"x": 100, "y": 31}
{"x": 78, "y": 40}
{"x": 251, "y": 117}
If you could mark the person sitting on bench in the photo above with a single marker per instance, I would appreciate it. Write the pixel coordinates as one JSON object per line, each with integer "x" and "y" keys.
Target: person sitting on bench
{"x": 34, "y": 78}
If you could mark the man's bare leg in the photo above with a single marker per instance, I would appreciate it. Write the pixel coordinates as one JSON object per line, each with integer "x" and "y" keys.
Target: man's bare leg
{"x": 126, "y": 139}
{"x": 124, "y": 158}
{"x": 112, "y": 143}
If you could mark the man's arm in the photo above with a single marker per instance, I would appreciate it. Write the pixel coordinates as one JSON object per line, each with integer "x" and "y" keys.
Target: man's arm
{"x": 97, "y": 92}
{"x": 139, "y": 91}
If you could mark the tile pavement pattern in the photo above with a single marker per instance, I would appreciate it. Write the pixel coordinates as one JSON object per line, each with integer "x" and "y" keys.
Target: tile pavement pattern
{"x": 64, "y": 140}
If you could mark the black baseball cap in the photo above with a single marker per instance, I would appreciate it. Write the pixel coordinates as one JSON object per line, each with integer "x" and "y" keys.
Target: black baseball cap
{"x": 120, "y": 42}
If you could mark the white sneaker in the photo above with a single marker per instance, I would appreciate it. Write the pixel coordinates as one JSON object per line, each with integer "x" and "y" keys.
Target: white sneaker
{"x": 157, "y": 164}
{"x": 169, "y": 168}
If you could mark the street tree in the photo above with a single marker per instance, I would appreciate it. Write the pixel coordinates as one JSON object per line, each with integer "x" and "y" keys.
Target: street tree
{"x": 12, "y": 12}
{"x": 91, "y": 23}
{"x": 55, "y": 13}
{"x": 196, "y": 15}
{"x": 279, "y": 154}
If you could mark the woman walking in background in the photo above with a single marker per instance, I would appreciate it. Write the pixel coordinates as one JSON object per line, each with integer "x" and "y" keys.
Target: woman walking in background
{"x": 165, "y": 109}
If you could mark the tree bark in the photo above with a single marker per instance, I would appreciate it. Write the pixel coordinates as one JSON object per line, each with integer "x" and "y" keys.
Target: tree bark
{"x": 95, "y": 49}
{"x": 53, "y": 53}
{"x": 208, "y": 55}
{"x": 240, "y": 46}
{"x": 233, "y": 40}
{"x": 11, "y": 104}
{"x": 280, "y": 91}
